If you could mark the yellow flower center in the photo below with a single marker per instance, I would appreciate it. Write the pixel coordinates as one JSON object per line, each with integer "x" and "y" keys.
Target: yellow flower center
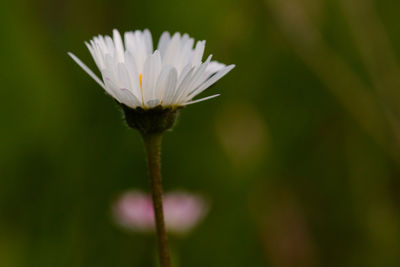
{"x": 141, "y": 87}
{"x": 140, "y": 80}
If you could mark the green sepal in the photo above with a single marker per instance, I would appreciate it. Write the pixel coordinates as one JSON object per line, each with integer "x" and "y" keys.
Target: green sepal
{"x": 150, "y": 121}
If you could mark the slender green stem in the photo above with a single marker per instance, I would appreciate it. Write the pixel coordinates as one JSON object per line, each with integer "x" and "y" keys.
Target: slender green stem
{"x": 152, "y": 143}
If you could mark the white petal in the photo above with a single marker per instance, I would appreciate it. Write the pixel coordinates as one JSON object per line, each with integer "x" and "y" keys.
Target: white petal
{"x": 88, "y": 71}
{"x": 111, "y": 65}
{"x": 148, "y": 41}
{"x": 129, "y": 40}
{"x": 173, "y": 50}
{"x": 109, "y": 44}
{"x": 183, "y": 86}
{"x": 119, "y": 48}
{"x": 122, "y": 95}
{"x": 202, "y": 75}
{"x": 211, "y": 81}
{"x": 110, "y": 85}
{"x": 94, "y": 55}
{"x": 133, "y": 74}
{"x": 170, "y": 89}
{"x": 185, "y": 37}
{"x": 151, "y": 71}
{"x": 135, "y": 44}
{"x": 185, "y": 53}
{"x": 215, "y": 66}
{"x": 198, "y": 52}
{"x": 123, "y": 77}
{"x": 162, "y": 83}
{"x": 99, "y": 54}
{"x": 201, "y": 99}
{"x": 183, "y": 73}
{"x": 130, "y": 99}
{"x": 101, "y": 44}
{"x": 163, "y": 43}
{"x": 197, "y": 78}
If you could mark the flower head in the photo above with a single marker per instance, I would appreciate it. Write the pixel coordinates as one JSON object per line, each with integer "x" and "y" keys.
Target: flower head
{"x": 182, "y": 211}
{"x": 138, "y": 76}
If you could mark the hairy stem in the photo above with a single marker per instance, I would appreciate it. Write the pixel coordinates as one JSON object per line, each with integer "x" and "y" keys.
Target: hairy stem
{"x": 152, "y": 144}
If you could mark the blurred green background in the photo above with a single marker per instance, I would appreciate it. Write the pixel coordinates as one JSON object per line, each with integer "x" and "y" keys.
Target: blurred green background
{"x": 299, "y": 155}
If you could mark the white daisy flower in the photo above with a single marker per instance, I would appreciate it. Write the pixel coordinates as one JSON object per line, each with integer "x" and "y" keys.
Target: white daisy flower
{"x": 136, "y": 75}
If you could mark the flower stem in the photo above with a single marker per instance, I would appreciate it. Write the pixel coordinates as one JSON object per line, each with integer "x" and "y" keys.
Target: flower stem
{"x": 152, "y": 144}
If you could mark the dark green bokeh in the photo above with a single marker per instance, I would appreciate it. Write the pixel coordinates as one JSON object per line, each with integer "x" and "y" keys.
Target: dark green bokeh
{"x": 299, "y": 155}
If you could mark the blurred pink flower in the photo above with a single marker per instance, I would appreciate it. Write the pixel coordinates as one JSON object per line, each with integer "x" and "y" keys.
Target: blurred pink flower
{"x": 182, "y": 211}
